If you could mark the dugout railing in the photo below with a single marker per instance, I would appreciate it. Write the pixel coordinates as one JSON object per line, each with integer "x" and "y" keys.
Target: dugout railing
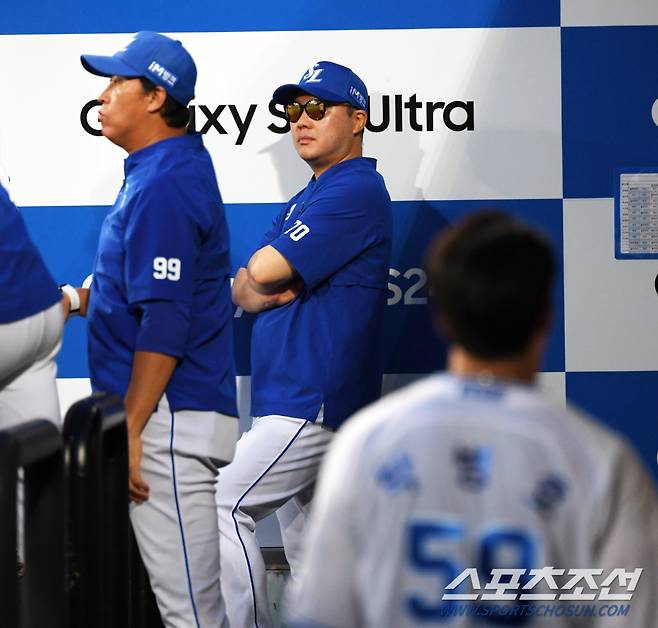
{"x": 108, "y": 583}
{"x": 39, "y": 598}
{"x": 96, "y": 455}
{"x": 82, "y": 564}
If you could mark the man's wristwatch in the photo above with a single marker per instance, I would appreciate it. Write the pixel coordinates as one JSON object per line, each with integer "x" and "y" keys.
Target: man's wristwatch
{"x": 74, "y": 298}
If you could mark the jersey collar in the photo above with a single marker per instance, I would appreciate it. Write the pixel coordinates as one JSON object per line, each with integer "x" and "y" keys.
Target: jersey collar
{"x": 348, "y": 164}
{"x": 171, "y": 144}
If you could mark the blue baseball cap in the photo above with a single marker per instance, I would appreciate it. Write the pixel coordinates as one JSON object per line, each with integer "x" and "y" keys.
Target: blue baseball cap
{"x": 328, "y": 81}
{"x": 156, "y": 57}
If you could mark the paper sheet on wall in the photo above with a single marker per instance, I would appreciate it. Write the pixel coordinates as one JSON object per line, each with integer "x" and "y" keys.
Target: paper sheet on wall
{"x": 638, "y": 213}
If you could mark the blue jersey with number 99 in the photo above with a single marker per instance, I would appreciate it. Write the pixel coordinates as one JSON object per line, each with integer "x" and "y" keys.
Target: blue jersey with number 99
{"x": 162, "y": 278}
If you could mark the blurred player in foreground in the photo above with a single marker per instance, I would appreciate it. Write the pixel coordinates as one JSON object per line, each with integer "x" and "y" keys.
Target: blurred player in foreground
{"x": 318, "y": 283}
{"x": 432, "y": 489}
{"x": 32, "y": 313}
{"x": 159, "y": 312}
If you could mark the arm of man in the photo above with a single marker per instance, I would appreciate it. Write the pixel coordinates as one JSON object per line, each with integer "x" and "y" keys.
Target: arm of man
{"x": 150, "y": 375}
{"x": 269, "y": 271}
{"x": 83, "y": 296}
{"x": 268, "y": 281}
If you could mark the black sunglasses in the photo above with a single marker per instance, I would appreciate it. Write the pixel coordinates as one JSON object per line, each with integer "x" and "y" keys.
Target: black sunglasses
{"x": 315, "y": 109}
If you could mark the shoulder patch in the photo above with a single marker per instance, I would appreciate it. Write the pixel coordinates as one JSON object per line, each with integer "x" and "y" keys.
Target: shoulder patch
{"x": 398, "y": 475}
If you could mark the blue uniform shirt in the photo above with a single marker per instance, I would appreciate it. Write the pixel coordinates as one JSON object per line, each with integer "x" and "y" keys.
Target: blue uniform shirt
{"x": 324, "y": 348}
{"x": 162, "y": 278}
{"x": 26, "y": 285}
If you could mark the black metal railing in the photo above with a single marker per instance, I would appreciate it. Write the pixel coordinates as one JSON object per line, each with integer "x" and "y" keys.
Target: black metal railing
{"x": 39, "y": 599}
{"x": 82, "y": 565}
{"x": 109, "y": 585}
{"x": 96, "y": 456}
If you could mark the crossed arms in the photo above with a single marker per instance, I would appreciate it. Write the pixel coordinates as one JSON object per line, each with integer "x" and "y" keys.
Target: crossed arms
{"x": 268, "y": 281}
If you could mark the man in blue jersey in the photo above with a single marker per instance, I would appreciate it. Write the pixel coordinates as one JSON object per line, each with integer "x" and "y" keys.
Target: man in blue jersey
{"x": 466, "y": 499}
{"x": 159, "y": 312}
{"x": 318, "y": 283}
{"x": 31, "y": 325}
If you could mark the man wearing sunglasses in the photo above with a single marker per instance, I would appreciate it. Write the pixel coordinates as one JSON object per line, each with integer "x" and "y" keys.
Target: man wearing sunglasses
{"x": 318, "y": 283}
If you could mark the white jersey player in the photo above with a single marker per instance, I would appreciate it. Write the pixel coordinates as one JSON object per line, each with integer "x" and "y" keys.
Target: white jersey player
{"x": 427, "y": 493}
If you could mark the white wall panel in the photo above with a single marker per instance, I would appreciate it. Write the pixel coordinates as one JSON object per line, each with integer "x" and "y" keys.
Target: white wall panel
{"x": 608, "y": 12}
{"x": 512, "y": 76}
{"x": 611, "y": 306}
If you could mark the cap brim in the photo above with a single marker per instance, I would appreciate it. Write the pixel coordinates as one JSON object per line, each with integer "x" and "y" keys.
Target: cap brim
{"x": 107, "y": 66}
{"x": 287, "y": 93}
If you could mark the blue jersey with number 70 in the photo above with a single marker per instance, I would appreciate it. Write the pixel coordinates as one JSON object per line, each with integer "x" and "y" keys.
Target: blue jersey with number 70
{"x": 322, "y": 352}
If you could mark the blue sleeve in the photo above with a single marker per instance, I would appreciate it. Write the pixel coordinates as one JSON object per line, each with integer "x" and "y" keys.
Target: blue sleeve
{"x": 162, "y": 241}
{"x": 164, "y": 327}
{"x": 274, "y": 230}
{"x": 26, "y": 285}
{"x": 333, "y": 230}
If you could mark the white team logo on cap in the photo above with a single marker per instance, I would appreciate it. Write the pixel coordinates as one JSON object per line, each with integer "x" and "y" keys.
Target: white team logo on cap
{"x": 654, "y": 112}
{"x": 312, "y": 74}
{"x": 168, "y": 77}
{"x": 358, "y": 96}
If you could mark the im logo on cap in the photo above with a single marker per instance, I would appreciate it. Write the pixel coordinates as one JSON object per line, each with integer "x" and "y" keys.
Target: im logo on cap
{"x": 163, "y": 73}
{"x": 355, "y": 93}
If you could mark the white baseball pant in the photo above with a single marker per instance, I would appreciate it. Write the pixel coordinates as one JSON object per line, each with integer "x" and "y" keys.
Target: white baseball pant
{"x": 28, "y": 373}
{"x": 28, "y": 388}
{"x": 275, "y": 467}
{"x": 176, "y": 528}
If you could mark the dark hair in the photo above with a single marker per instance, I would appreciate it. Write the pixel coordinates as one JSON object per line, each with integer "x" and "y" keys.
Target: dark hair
{"x": 490, "y": 278}
{"x": 174, "y": 113}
